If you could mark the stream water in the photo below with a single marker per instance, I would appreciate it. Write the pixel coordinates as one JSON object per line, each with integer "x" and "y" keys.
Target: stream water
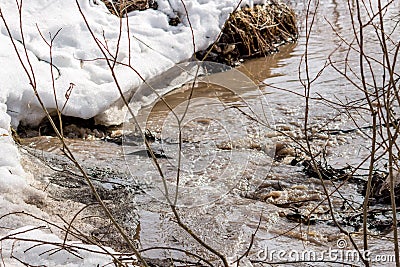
{"x": 234, "y": 125}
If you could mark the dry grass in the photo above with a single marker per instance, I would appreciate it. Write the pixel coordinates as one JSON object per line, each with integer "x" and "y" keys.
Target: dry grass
{"x": 252, "y": 32}
{"x": 122, "y": 7}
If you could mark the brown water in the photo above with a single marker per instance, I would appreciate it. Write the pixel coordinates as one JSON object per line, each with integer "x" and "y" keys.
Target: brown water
{"x": 229, "y": 185}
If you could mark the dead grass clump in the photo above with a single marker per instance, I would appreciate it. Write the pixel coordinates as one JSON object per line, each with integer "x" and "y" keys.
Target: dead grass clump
{"x": 253, "y": 32}
{"x": 122, "y": 7}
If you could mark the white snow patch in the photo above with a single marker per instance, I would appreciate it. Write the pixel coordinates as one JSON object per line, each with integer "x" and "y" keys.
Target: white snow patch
{"x": 28, "y": 244}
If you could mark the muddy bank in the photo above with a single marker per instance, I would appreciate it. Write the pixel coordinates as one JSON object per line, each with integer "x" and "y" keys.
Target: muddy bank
{"x": 72, "y": 127}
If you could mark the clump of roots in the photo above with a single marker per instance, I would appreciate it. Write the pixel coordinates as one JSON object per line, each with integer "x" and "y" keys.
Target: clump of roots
{"x": 253, "y": 32}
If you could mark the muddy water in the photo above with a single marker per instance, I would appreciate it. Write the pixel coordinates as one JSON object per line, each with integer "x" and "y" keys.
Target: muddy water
{"x": 229, "y": 183}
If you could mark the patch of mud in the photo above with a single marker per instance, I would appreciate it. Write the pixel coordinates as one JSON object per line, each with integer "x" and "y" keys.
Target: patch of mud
{"x": 72, "y": 127}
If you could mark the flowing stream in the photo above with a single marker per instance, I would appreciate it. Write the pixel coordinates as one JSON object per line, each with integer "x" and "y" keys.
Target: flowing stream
{"x": 240, "y": 134}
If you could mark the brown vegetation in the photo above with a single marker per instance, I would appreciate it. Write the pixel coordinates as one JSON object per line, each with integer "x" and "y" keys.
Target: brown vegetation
{"x": 122, "y": 7}
{"x": 253, "y": 32}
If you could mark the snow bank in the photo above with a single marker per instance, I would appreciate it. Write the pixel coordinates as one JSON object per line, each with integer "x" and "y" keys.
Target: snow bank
{"x": 155, "y": 47}
{"x": 14, "y": 189}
